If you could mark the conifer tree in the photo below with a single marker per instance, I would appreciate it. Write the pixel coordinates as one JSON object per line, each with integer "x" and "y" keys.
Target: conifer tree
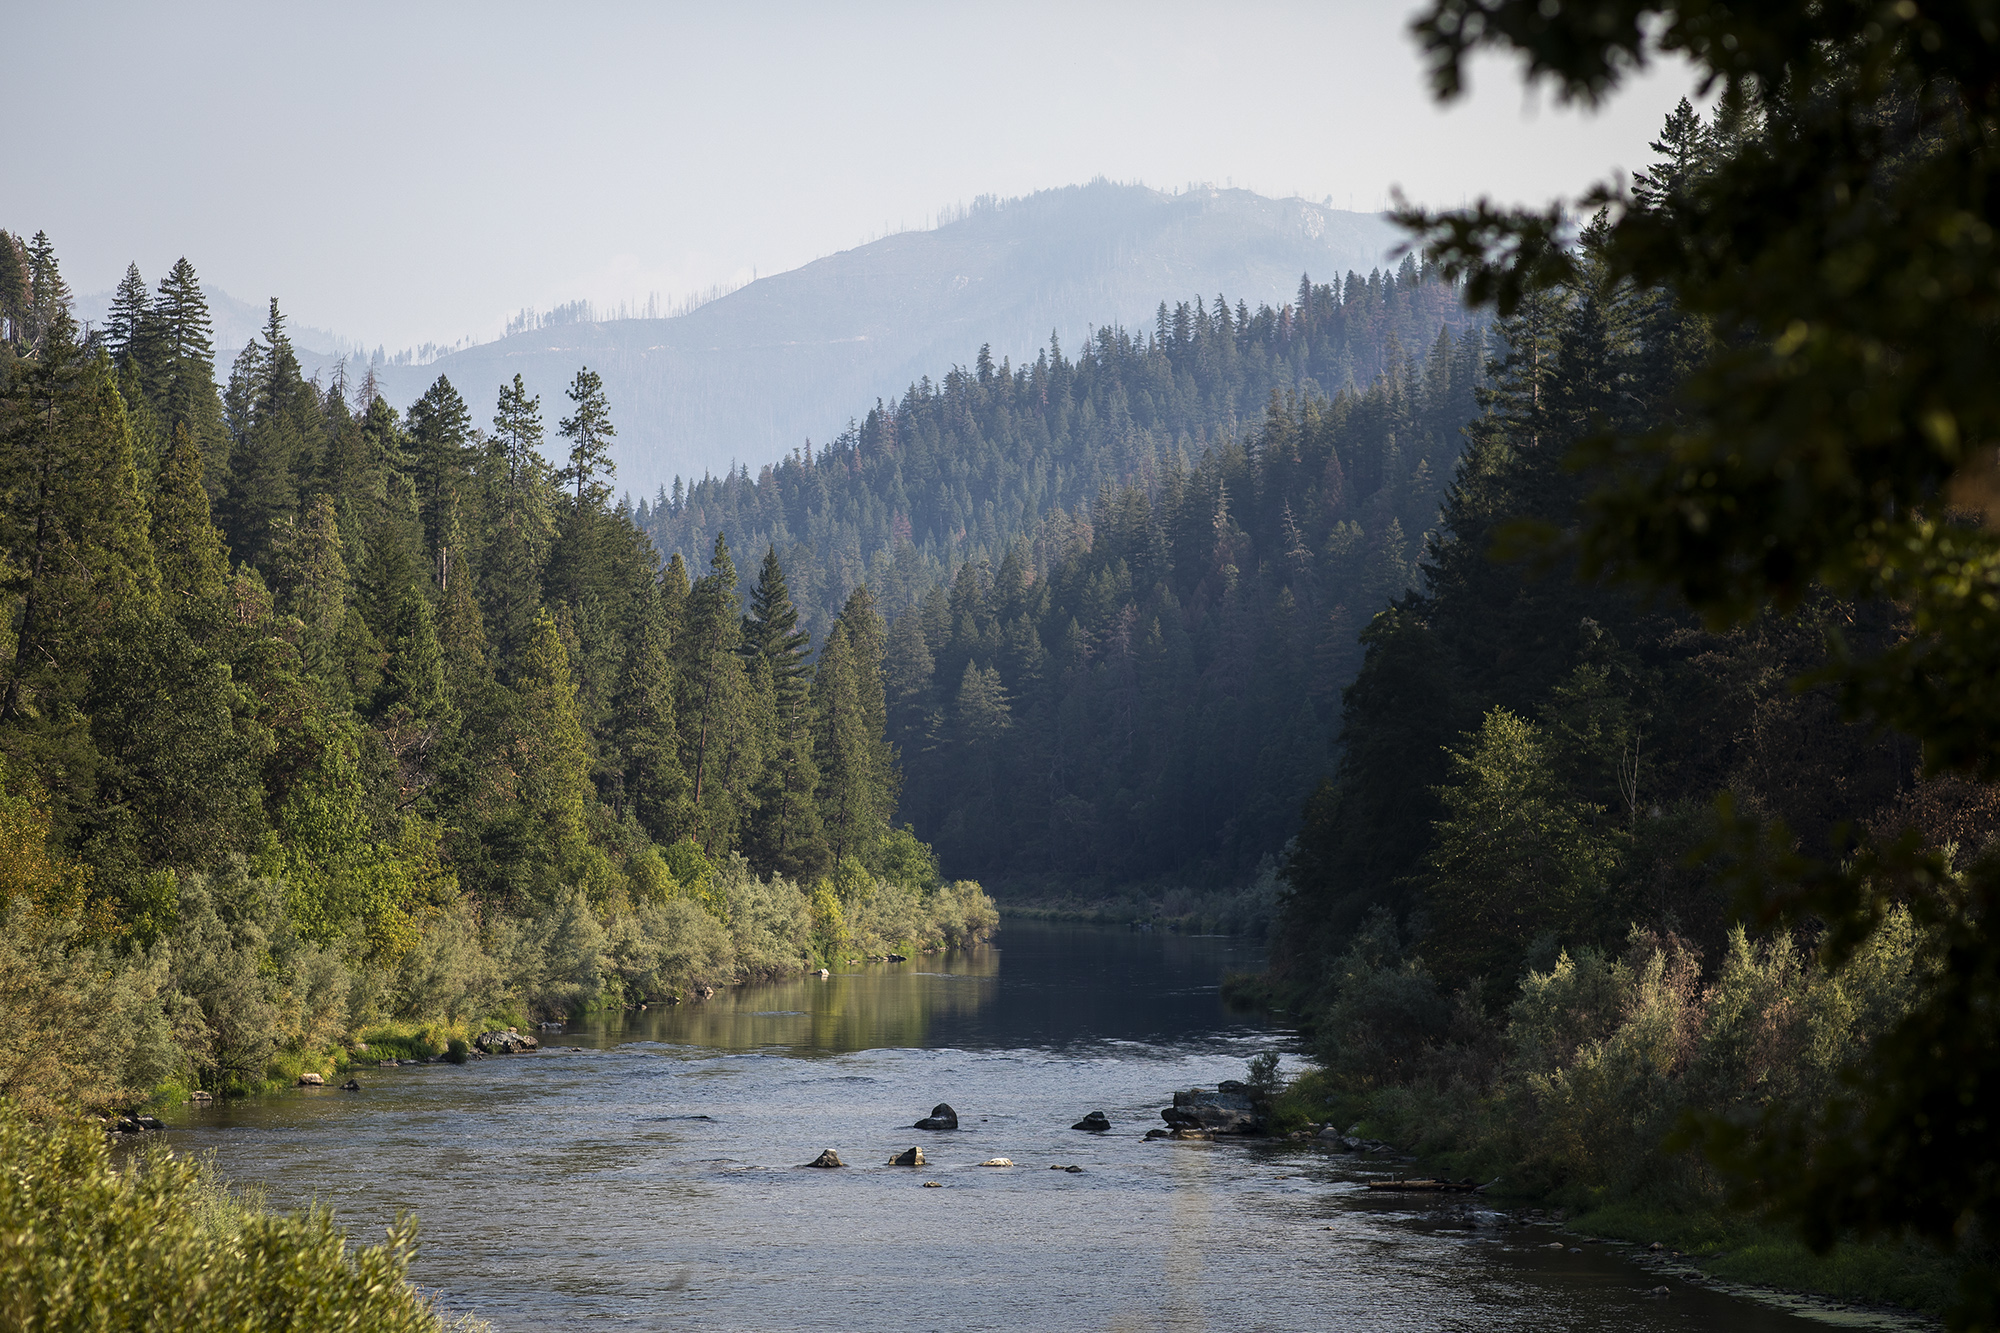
{"x": 781, "y": 834}
{"x": 654, "y": 783}
{"x": 551, "y": 750}
{"x": 127, "y": 318}
{"x": 74, "y": 526}
{"x": 193, "y": 564}
{"x": 589, "y": 432}
{"x": 440, "y": 441}
{"x": 310, "y": 569}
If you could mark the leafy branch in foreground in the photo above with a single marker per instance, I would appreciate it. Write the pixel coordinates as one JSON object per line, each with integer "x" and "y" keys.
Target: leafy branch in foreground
{"x": 1836, "y": 234}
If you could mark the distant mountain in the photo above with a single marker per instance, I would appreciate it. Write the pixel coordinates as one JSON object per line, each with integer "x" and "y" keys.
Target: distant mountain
{"x": 750, "y": 376}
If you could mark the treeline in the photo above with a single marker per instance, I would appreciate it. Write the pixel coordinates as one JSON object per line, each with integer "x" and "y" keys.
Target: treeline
{"x": 390, "y": 675}
{"x": 1109, "y": 574}
{"x": 1508, "y": 919}
{"x": 1151, "y": 689}
{"x": 958, "y": 469}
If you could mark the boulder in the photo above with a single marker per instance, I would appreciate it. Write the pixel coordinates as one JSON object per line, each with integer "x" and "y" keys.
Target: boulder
{"x": 510, "y": 1042}
{"x": 1227, "y": 1110}
{"x": 998, "y": 1161}
{"x": 352, "y": 1085}
{"x": 824, "y": 974}
{"x": 558, "y": 1027}
{"x": 1158, "y": 1133}
{"x": 941, "y": 1117}
{"x": 933, "y": 1184}
{"x": 311, "y": 1081}
{"x": 1332, "y": 1135}
{"x": 200, "y": 1096}
{"x": 911, "y": 1157}
{"x": 899, "y": 958}
{"x": 828, "y": 1158}
{"x": 148, "y": 1122}
{"x": 1095, "y": 1123}
{"x": 704, "y": 992}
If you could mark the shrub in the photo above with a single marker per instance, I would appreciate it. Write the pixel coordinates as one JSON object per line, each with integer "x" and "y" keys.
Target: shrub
{"x": 159, "y": 1245}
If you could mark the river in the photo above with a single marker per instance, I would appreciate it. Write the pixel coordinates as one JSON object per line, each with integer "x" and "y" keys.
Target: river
{"x": 647, "y": 1176}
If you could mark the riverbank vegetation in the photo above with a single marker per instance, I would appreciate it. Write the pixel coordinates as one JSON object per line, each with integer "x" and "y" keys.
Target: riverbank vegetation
{"x": 317, "y": 717}
{"x": 1657, "y": 872}
{"x": 160, "y": 1242}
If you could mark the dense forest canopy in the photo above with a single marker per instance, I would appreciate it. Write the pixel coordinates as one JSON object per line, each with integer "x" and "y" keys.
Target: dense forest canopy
{"x": 388, "y": 705}
{"x": 1105, "y": 573}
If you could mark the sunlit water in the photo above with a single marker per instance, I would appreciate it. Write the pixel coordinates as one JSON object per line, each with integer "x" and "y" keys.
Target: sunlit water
{"x": 652, "y": 1178}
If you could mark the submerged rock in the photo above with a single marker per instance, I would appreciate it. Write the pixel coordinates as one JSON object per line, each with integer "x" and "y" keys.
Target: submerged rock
{"x": 827, "y": 1158}
{"x": 911, "y": 1157}
{"x": 998, "y": 1161}
{"x": 1095, "y": 1123}
{"x": 352, "y": 1085}
{"x": 941, "y": 1117}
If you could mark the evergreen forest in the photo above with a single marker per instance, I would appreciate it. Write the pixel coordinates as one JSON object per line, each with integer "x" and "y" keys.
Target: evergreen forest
{"x": 318, "y": 716}
{"x": 1105, "y": 574}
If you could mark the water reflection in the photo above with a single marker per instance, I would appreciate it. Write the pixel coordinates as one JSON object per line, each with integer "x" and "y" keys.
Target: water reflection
{"x": 651, "y": 1179}
{"x": 866, "y": 1007}
{"x": 1040, "y": 985}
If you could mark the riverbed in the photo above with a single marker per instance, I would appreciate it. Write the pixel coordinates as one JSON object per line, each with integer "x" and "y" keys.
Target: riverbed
{"x": 646, "y": 1172}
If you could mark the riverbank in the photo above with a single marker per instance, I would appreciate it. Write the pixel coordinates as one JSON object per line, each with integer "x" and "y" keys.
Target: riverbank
{"x": 1246, "y": 909}
{"x": 1679, "y": 1227}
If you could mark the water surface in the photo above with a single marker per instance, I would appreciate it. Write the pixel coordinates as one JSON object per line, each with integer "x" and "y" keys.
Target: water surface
{"x": 648, "y": 1175}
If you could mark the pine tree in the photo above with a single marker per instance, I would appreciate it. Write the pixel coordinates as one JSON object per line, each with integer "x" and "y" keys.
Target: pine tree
{"x": 551, "y": 751}
{"x": 74, "y": 528}
{"x": 517, "y": 429}
{"x": 129, "y": 307}
{"x": 589, "y": 431}
{"x": 193, "y": 563}
{"x": 648, "y": 742}
{"x": 310, "y": 570}
{"x": 440, "y": 442}
{"x": 782, "y": 833}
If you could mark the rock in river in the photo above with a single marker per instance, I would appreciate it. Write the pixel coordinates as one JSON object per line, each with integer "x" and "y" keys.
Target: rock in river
{"x": 311, "y": 1081}
{"x": 1094, "y": 1122}
{"x": 352, "y": 1085}
{"x": 941, "y": 1117}
{"x": 913, "y": 1157}
{"x": 510, "y": 1042}
{"x": 1227, "y": 1110}
{"x": 828, "y": 1158}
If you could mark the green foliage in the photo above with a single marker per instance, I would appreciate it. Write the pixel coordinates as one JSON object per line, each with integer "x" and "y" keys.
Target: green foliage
{"x": 1835, "y": 226}
{"x": 159, "y": 1243}
{"x": 1513, "y": 856}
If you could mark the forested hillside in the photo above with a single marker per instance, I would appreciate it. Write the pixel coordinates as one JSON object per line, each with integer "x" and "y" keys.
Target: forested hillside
{"x": 1104, "y": 574}
{"x": 316, "y": 714}
{"x": 1517, "y": 917}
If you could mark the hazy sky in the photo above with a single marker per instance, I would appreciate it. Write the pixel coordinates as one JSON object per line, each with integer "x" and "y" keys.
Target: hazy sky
{"x": 407, "y": 172}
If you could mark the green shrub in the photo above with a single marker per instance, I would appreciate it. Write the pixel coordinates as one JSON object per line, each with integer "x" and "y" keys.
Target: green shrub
{"x": 159, "y": 1244}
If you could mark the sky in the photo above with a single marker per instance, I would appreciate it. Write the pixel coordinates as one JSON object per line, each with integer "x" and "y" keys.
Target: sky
{"x": 404, "y": 173}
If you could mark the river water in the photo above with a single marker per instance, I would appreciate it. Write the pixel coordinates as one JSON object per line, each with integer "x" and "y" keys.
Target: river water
{"x": 648, "y": 1176}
